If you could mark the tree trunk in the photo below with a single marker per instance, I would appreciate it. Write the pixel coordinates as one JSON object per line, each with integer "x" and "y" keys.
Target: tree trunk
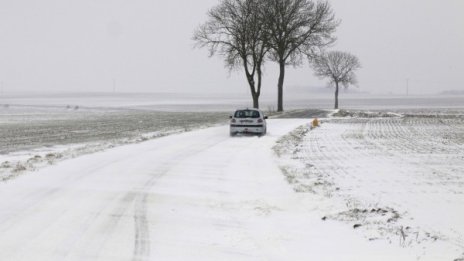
{"x": 251, "y": 84}
{"x": 258, "y": 91}
{"x": 280, "y": 87}
{"x": 255, "y": 101}
{"x": 254, "y": 96}
{"x": 336, "y": 95}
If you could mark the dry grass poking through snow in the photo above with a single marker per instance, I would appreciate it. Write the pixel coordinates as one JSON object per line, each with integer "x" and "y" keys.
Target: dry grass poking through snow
{"x": 391, "y": 177}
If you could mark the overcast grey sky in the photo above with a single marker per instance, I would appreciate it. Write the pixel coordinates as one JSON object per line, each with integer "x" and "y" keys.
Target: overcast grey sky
{"x": 146, "y": 46}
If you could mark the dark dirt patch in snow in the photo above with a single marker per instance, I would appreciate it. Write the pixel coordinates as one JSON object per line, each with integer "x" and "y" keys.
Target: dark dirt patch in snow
{"x": 363, "y": 114}
{"x": 385, "y": 223}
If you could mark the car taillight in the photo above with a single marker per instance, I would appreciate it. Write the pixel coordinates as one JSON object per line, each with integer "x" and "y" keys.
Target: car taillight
{"x": 260, "y": 120}
{"x": 233, "y": 121}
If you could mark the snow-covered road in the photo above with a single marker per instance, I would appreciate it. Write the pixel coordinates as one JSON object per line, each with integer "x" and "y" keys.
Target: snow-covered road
{"x": 199, "y": 195}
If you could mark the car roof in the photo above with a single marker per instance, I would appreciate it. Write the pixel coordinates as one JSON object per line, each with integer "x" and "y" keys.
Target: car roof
{"x": 248, "y": 109}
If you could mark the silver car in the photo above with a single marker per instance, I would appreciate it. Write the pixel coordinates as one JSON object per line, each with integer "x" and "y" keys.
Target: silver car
{"x": 250, "y": 121}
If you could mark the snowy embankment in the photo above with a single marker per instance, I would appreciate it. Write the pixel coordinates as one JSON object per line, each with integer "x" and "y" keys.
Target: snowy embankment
{"x": 391, "y": 179}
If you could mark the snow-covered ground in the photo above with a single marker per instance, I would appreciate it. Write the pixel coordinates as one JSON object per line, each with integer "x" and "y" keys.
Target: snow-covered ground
{"x": 398, "y": 179}
{"x": 199, "y": 195}
{"x": 32, "y": 137}
{"x": 97, "y": 185}
{"x": 202, "y": 195}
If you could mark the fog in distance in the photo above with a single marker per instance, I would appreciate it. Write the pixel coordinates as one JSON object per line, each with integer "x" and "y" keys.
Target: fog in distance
{"x": 146, "y": 46}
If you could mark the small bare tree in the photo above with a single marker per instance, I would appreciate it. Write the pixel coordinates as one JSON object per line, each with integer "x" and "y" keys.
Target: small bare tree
{"x": 297, "y": 28}
{"x": 339, "y": 67}
{"x": 234, "y": 30}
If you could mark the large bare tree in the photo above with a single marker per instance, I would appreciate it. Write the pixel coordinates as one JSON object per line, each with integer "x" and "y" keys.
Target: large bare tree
{"x": 339, "y": 67}
{"x": 235, "y": 31}
{"x": 297, "y": 28}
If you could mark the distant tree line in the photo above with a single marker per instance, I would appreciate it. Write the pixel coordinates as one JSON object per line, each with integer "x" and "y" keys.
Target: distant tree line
{"x": 247, "y": 33}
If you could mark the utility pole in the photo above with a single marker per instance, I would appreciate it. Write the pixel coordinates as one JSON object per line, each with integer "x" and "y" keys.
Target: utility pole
{"x": 407, "y": 86}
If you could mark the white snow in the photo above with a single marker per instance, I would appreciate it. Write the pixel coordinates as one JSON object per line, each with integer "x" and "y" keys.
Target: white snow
{"x": 398, "y": 179}
{"x": 199, "y": 195}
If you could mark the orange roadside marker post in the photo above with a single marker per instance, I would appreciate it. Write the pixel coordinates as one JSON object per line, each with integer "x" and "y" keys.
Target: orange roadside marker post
{"x": 315, "y": 123}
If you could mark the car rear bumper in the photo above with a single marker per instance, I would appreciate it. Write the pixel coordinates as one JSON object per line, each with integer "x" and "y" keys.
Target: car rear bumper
{"x": 247, "y": 128}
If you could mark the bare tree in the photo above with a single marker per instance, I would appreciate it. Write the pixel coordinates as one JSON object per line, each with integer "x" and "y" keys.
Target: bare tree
{"x": 234, "y": 30}
{"x": 339, "y": 67}
{"x": 297, "y": 28}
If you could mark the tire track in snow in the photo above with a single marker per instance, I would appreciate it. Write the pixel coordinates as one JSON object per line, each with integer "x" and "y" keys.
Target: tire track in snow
{"x": 142, "y": 233}
{"x": 134, "y": 204}
{"x": 99, "y": 227}
{"x": 142, "y": 241}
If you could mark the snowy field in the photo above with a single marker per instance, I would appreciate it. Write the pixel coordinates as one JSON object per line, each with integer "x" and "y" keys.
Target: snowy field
{"x": 35, "y": 136}
{"x": 393, "y": 178}
{"x": 146, "y": 177}
{"x": 190, "y": 102}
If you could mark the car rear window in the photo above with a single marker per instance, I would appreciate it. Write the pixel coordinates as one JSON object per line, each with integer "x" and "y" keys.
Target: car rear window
{"x": 246, "y": 114}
